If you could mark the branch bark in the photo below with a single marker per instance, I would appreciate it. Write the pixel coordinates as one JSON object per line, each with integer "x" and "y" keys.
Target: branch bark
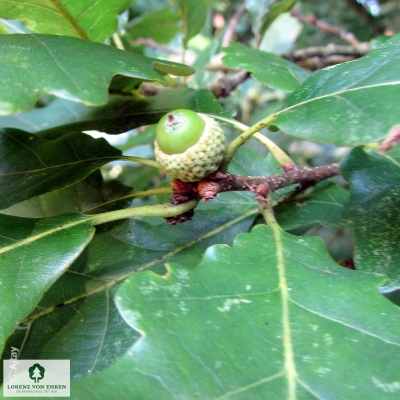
{"x": 219, "y": 182}
{"x": 262, "y": 186}
{"x": 323, "y": 56}
{"x": 295, "y": 175}
{"x": 226, "y": 84}
{"x": 311, "y": 19}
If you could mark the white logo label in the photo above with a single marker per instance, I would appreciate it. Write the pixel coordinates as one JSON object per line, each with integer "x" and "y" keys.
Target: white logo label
{"x": 36, "y": 378}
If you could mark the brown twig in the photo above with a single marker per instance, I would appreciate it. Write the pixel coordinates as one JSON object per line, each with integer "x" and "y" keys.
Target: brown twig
{"x": 319, "y": 57}
{"x": 232, "y": 24}
{"x": 224, "y": 86}
{"x": 217, "y": 66}
{"x": 298, "y": 175}
{"x": 149, "y": 89}
{"x": 392, "y": 140}
{"x": 153, "y": 44}
{"x": 311, "y": 19}
{"x": 261, "y": 186}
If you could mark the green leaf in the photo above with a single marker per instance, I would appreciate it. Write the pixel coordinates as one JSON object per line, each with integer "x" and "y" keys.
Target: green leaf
{"x": 282, "y": 36}
{"x": 193, "y": 15}
{"x": 258, "y": 9}
{"x": 34, "y": 254}
{"x": 32, "y": 165}
{"x": 347, "y": 104}
{"x": 73, "y": 69}
{"x": 139, "y": 177}
{"x": 13, "y": 26}
{"x": 3, "y": 29}
{"x": 90, "y": 195}
{"x": 79, "y": 306}
{"x": 57, "y": 112}
{"x": 276, "y": 9}
{"x": 269, "y": 69}
{"x": 268, "y": 318}
{"x": 146, "y": 136}
{"x": 119, "y": 115}
{"x": 248, "y": 163}
{"x": 86, "y": 19}
{"x": 323, "y": 205}
{"x": 265, "y": 12}
{"x": 160, "y": 25}
{"x": 89, "y": 331}
{"x": 373, "y": 208}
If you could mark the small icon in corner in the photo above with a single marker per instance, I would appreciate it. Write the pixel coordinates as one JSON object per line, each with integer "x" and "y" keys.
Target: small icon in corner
{"x": 36, "y": 372}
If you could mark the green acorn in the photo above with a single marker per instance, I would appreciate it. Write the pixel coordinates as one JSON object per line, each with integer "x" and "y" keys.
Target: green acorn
{"x": 189, "y": 145}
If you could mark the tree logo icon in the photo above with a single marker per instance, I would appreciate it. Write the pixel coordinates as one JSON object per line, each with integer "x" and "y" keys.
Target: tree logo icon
{"x": 36, "y": 372}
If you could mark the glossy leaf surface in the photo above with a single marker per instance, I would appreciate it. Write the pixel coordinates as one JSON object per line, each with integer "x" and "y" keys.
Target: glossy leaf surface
{"x": 86, "y": 19}
{"x": 373, "y": 210}
{"x": 347, "y": 104}
{"x": 269, "y": 69}
{"x": 324, "y": 205}
{"x": 90, "y": 195}
{"x": 120, "y": 114}
{"x": 292, "y": 303}
{"x": 161, "y": 26}
{"x": 48, "y": 164}
{"x": 277, "y": 8}
{"x": 193, "y": 15}
{"x": 34, "y": 254}
{"x": 80, "y": 305}
{"x": 70, "y": 68}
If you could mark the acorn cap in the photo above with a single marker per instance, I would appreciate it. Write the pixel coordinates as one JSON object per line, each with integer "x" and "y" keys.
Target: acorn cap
{"x": 198, "y": 160}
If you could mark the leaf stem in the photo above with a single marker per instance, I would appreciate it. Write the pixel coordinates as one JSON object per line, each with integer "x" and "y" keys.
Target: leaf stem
{"x": 160, "y": 210}
{"x": 243, "y": 137}
{"x": 146, "y": 161}
{"x": 140, "y": 193}
{"x": 267, "y": 212}
{"x": 118, "y": 42}
{"x": 152, "y": 192}
{"x": 280, "y": 156}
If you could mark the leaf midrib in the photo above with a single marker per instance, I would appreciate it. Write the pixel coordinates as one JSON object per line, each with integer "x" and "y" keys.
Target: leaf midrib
{"x": 41, "y": 235}
{"x": 289, "y": 361}
{"x": 335, "y": 94}
{"x": 60, "y": 165}
{"x": 71, "y": 21}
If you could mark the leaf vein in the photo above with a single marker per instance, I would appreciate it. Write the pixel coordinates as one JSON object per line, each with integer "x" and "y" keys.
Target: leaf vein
{"x": 345, "y": 324}
{"x": 333, "y": 94}
{"x": 101, "y": 344}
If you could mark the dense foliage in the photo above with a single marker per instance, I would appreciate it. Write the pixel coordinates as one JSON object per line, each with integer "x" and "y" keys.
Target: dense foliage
{"x": 285, "y": 282}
